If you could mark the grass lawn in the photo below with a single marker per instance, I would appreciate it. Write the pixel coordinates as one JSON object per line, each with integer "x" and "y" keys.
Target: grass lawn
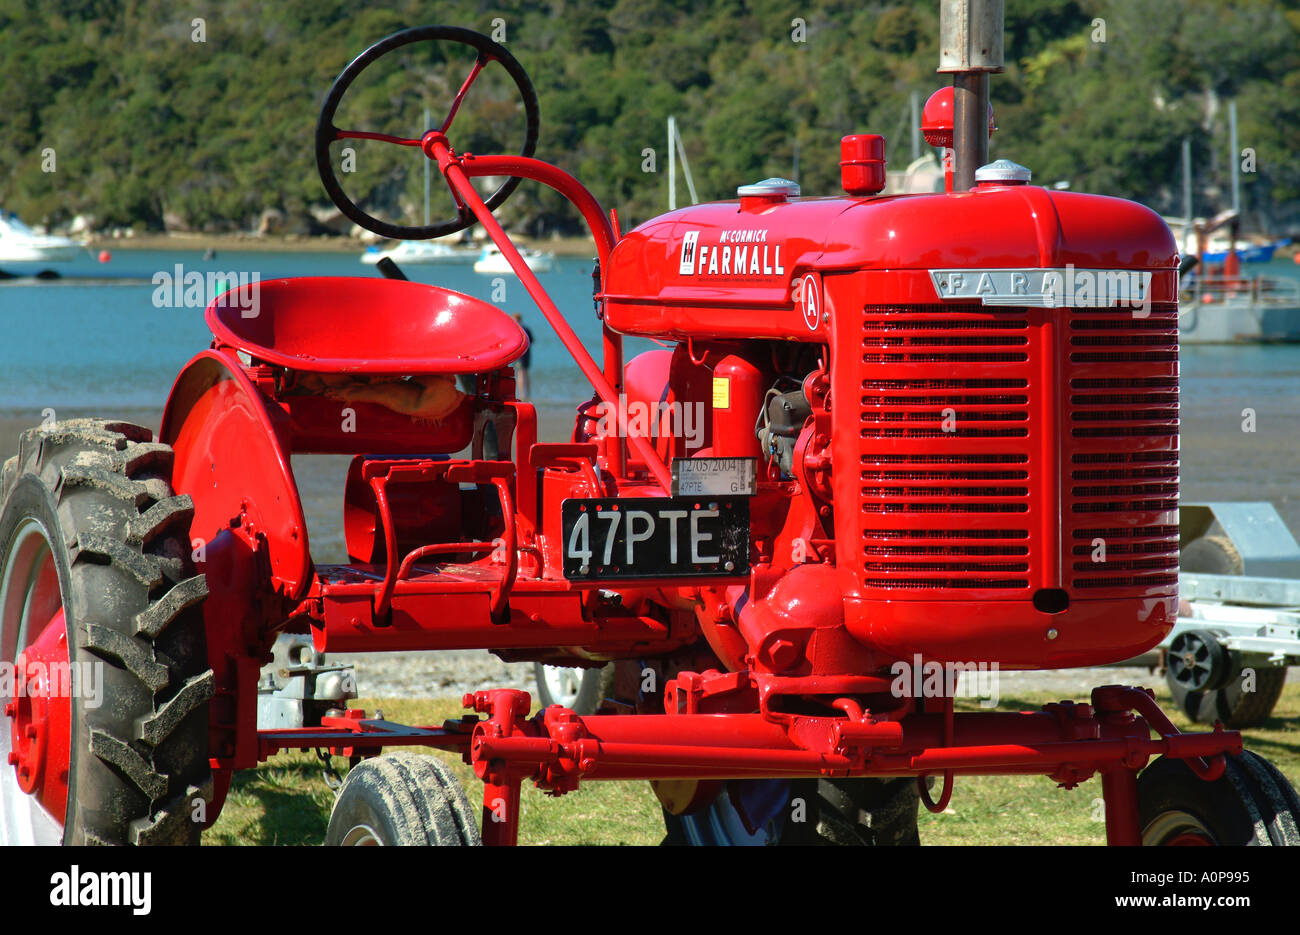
{"x": 285, "y": 801}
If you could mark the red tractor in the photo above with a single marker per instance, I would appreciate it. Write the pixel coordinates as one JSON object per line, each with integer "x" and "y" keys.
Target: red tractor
{"x": 918, "y": 418}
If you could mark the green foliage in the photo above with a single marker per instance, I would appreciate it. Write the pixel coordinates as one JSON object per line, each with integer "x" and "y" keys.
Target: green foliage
{"x": 150, "y": 127}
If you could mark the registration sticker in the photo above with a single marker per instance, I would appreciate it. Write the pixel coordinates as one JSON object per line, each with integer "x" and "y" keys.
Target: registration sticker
{"x": 715, "y": 477}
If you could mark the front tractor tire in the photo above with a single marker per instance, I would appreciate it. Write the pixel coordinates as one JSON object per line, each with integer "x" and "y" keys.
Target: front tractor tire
{"x": 94, "y": 549}
{"x": 1252, "y": 803}
{"x": 401, "y": 800}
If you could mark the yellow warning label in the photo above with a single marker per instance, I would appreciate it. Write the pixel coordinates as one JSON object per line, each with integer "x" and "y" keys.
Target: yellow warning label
{"x": 721, "y": 392}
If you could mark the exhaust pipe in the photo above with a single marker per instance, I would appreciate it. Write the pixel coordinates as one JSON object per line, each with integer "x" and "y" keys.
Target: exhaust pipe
{"x": 970, "y": 49}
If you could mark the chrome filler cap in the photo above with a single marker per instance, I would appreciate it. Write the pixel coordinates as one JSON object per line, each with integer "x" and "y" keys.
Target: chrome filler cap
{"x": 773, "y": 188}
{"x": 1004, "y": 172}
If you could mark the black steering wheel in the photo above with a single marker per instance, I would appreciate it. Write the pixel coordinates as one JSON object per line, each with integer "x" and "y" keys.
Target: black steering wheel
{"x": 326, "y": 132}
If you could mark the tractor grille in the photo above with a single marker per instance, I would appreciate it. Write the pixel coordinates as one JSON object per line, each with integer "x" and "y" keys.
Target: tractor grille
{"x": 1122, "y": 467}
{"x": 999, "y": 445}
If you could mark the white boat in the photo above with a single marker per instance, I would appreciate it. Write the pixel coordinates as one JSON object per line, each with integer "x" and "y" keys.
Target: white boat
{"x": 20, "y": 244}
{"x": 492, "y": 260}
{"x": 421, "y": 251}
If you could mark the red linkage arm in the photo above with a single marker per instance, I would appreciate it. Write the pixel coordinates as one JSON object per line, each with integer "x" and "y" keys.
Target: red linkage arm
{"x": 458, "y": 171}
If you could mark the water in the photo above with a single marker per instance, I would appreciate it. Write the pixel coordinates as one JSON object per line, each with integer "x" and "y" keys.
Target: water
{"x": 104, "y": 345}
{"x": 104, "y": 348}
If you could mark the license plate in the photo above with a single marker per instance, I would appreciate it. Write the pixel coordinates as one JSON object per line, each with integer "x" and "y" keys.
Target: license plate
{"x": 655, "y": 537}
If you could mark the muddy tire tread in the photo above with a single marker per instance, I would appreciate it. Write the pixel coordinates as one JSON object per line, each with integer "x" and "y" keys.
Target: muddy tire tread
{"x": 133, "y": 602}
{"x": 414, "y": 798}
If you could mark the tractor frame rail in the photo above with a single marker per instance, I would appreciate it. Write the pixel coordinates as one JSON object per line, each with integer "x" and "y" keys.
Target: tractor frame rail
{"x": 353, "y": 734}
{"x": 699, "y": 739}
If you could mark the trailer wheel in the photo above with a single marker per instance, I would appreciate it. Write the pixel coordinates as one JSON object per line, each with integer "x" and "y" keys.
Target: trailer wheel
{"x": 1197, "y": 662}
{"x": 581, "y": 690}
{"x": 96, "y": 581}
{"x": 1211, "y": 555}
{"x": 1251, "y": 803}
{"x": 1229, "y": 703}
{"x": 1232, "y": 704}
{"x": 842, "y": 812}
{"x": 401, "y": 799}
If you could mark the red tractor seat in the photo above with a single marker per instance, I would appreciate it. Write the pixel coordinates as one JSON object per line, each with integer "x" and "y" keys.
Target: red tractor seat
{"x": 347, "y": 324}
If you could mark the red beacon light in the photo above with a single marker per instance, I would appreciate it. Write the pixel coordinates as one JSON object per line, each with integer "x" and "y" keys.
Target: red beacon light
{"x": 936, "y": 119}
{"x": 862, "y": 163}
{"x": 936, "y": 127}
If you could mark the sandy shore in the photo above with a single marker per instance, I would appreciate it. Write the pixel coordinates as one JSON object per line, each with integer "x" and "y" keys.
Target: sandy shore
{"x": 565, "y": 246}
{"x": 320, "y": 477}
{"x": 1219, "y": 461}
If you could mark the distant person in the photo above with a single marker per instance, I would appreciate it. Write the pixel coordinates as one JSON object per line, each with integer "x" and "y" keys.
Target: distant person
{"x": 521, "y": 365}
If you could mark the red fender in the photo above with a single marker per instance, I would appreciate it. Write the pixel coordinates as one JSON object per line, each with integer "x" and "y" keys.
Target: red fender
{"x": 232, "y": 459}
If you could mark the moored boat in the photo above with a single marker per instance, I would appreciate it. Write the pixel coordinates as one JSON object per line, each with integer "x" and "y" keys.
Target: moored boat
{"x": 421, "y": 252}
{"x": 20, "y": 244}
{"x": 492, "y": 260}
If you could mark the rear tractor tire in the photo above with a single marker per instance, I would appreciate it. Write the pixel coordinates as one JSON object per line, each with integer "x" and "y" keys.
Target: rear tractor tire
{"x": 862, "y": 813}
{"x": 834, "y": 812}
{"x": 95, "y": 558}
{"x": 1252, "y": 803}
{"x": 581, "y": 690}
{"x": 401, "y": 799}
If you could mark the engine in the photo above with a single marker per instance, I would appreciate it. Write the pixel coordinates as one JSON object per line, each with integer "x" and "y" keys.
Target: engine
{"x": 963, "y": 408}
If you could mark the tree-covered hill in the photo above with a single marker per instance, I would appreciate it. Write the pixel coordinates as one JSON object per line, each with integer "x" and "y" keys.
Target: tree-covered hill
{"x": 150, "y": 128}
